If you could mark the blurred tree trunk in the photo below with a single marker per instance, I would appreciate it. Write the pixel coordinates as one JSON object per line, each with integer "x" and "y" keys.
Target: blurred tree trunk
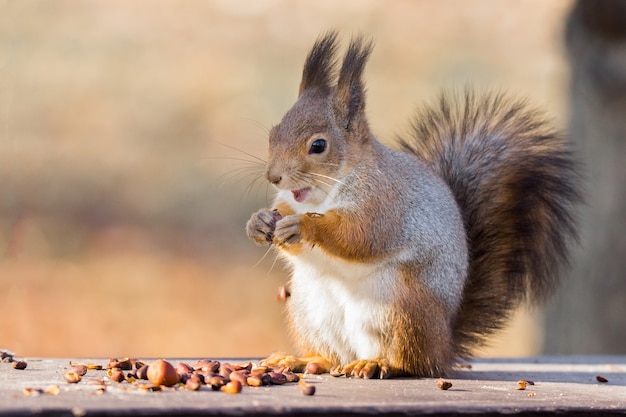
{"x": 590, "y": 314}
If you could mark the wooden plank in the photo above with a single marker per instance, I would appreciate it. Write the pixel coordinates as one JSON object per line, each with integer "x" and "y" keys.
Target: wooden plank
{"x": 562, "y": 385}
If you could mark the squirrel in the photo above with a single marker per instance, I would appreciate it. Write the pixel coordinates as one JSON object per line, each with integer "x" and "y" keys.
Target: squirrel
{"x": 404, "y": 260}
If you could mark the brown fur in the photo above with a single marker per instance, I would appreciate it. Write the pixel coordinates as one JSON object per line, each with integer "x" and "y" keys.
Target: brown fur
{"x": 343, "y": 235}
{"x": 421, "y": 341}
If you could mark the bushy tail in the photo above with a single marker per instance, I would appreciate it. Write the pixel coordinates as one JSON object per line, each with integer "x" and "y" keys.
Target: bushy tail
{"x": 517, "y": 185}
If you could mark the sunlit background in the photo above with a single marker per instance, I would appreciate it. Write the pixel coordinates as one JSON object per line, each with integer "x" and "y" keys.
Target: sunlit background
{"x": 129, "y": 138}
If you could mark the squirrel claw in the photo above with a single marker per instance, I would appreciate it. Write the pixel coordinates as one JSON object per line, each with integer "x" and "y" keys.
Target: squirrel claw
{"x": 337, "y": 371}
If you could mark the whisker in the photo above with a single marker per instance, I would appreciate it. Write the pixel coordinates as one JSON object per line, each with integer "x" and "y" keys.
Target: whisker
{"x": 243, "y": 152}
{"x": 273, "y": 264}
{"x": 238, "y": 174}
{"x": 269, "y": 248}
{"x": 312, "y": 182}
{"x": 321, "y": 182}
{"x": 233, "y": 158}
{"x": 327, "y": 177}
{"x": 256, "y": 124}
{"x": 250, "y": 188}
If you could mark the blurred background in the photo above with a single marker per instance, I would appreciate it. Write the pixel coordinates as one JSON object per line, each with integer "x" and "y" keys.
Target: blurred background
{"x": 130, "y": 133}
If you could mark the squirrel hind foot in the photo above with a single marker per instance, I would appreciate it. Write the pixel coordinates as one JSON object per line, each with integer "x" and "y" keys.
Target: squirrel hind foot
{"x": 368, "y": 369}
{"x": 311, "y": 364}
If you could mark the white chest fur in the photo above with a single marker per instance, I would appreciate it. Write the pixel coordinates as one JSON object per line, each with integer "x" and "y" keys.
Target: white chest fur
{"x": 340, "y": 307}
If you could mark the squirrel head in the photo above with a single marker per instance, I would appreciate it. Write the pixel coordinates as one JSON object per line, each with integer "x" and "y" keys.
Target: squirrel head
{"x": 325, "y": 134}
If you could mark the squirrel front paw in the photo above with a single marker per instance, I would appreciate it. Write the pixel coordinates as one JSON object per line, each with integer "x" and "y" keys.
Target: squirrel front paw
{"x": 287, "y": 231}
{"x": 260, "y": 228}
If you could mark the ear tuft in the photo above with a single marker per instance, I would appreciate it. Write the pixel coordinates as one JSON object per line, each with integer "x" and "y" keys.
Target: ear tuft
{"x": 350, "y": 86}
{"x": 319, "y": 66}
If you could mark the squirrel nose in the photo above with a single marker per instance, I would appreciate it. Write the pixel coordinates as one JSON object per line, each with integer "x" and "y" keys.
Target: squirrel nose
{"x": 273, "y": 176}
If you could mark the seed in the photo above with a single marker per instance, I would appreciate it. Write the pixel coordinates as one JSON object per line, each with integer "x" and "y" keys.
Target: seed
{"x": 225, "y": 370}
{"x": 72, "y": 377}
{"x": 193, "y": 383}
{"x": 183, "y": 368}
{"x": 142, "y": 373}
{"x": 79, "y": 369}
{"x": 291, "y": 377}
{"x": 19, "y": 365}
{"x": 309, "y": 389}
{"x": 600, "y": 378}
{"x": 306, "y": 389}
{"x": 280, "y": 369}
{"x": 254, "y": 380}
{"x": 442, "y": 384}
{"x": 116, "y": 374}
{"x": 266, "y": 379}
{"x": 283, "y": 293}
{"x": 137, "y": 363}
{"x": 201, "y": 376}
{"x": 241, "y": 376}
{"x": 161, "y": 372}
{"x": 277, "y": 378}
{"x": 200, "y": 364}
{"x": 276, "y": 215}
{"x": 246, "y": 366}
{"x": 206, "y": 365}
{"x": 233, "y": 387}
{"x": 216, "y": 382}
{"x": 32, "y": 392}
{"x": 259, "y": 370}
{"x": 124, "y": 364}
{"x": 52, "y": 390}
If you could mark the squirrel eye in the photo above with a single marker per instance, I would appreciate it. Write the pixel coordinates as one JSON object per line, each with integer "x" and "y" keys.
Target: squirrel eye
{"x": 318, "y": 146}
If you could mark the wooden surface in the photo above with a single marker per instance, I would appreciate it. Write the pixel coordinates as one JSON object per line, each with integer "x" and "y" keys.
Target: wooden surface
{"x": 563, "y": 385}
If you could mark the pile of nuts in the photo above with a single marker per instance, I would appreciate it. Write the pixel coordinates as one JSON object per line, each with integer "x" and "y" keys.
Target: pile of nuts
{"x": 225, "y": 377}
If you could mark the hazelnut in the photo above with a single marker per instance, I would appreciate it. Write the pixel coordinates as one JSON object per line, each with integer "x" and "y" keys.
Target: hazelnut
{"x": 161, "y": 372}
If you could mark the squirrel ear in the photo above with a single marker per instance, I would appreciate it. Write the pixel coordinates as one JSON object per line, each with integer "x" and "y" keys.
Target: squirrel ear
{"x": 320, "y": 64}
{"x": 350, "y": 87}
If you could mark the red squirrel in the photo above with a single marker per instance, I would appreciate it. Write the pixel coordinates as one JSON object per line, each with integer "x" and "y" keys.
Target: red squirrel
{"x": 404, "y": 260}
